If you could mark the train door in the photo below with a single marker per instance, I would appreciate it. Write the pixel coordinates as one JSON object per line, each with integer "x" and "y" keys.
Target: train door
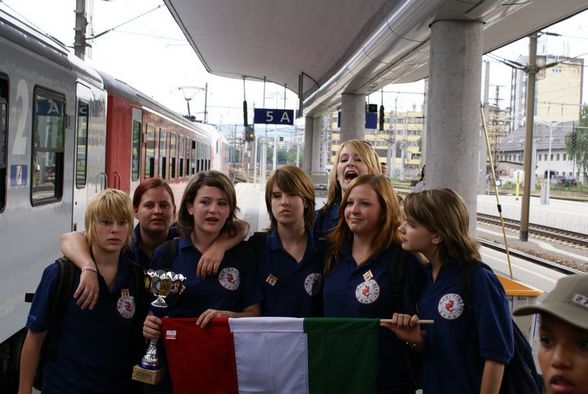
{"x": 137, "y": 117}
{"x": 90, "y": 137}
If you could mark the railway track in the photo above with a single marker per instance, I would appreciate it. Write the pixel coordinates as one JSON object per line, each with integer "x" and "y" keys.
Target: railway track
{"x": 563, "y": 236}
{"x": 564, "y": 269}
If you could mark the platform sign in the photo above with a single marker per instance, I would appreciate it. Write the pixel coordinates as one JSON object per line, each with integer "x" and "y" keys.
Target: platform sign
{"x": 273, "y": 116}
{"x": 18, "y": 175}
{"x": 371, "y": 120}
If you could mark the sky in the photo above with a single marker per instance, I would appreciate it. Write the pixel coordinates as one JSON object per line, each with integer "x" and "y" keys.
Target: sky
{"x": 151, "y": 54}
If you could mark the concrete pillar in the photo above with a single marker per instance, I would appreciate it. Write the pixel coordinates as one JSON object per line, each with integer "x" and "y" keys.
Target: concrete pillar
{"x": 308, "y": 125}
{"x": 453, "y": 124}
{"x": 352, "y": 116}
{"x": 312, "y": 144}
{"x": 316, "y": 145}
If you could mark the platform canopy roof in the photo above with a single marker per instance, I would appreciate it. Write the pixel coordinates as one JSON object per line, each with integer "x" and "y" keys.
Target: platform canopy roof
{"x": 344, "y": 46}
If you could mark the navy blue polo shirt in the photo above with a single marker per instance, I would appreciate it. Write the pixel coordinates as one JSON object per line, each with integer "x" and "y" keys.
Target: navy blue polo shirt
{"x": 347, "y": 293}
{"x": 93, "y": 352}
{"x": 233, "y": 288}
{"x": 324, "y": 222}
{"x": 289, "y": 288}
{"x": 451, "y": 364}
{"x": 134, "y": 251}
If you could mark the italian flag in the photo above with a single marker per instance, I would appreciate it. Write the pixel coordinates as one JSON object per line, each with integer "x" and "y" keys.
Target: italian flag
{"x": 272, "y": 355}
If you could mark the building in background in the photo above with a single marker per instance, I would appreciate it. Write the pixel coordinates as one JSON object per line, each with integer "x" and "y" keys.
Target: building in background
{"x": 402, "y": 134}
{"x": 558, "y": 91}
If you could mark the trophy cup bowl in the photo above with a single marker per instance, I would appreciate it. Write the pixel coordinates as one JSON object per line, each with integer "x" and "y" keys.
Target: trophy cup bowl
{"x": 161, "y": 284}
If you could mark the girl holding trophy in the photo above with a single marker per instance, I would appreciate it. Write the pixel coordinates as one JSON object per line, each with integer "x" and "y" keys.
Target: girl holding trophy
{"x": 89, "y": 350}
{"x": 208, "y": 208}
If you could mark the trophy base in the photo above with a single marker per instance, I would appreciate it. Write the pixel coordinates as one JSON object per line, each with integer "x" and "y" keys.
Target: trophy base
{"x": 149, "y": 376}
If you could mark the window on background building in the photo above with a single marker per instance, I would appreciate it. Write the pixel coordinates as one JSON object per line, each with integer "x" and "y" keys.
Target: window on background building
{"x": 557, "y": 157}
{"x": 48, "y": 147}
{"x": 565, "y": 157}
{"x": 551, "y": 157}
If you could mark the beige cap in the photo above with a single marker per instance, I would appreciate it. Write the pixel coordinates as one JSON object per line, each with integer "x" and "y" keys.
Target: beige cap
{"x": 567, "y": 301}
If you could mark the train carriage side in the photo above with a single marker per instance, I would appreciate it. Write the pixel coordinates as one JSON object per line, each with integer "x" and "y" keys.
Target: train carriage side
{"x": 39, "y": 111}
{"x": 145, "y": 140}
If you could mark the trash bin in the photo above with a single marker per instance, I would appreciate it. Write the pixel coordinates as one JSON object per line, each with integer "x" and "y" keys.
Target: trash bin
{"x": 520, "y": 294}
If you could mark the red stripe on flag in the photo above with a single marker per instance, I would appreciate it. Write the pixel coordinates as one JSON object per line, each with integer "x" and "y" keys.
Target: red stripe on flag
{"x": 201, "y": 360}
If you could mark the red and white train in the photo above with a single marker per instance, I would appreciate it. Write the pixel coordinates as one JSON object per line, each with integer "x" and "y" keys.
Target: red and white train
{"x": 66, "y": 132}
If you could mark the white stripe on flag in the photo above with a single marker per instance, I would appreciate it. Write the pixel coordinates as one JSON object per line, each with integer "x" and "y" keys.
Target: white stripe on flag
{"x": 271, "y": 354}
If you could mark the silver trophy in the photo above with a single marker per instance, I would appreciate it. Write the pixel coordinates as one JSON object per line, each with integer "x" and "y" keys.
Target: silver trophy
{"x": 161, "y": 284}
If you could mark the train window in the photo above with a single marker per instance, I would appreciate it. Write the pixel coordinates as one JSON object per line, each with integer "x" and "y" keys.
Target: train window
{"x": 198, "y": 157}
{"x": 150, "y": 152}
{"x": 135, "y": 150}
{"x": 3, "y": 138}
{"x": 193, "y": 157}
{"x": 82, "y": 144}
{"x": 172, "y": 155}
{"x": 188, "y": 157}
{"x": 162, "y": 153}
{"x": 47, "y": 152}
{"x": 181, "y": 156}
{"x": 3, "y": 134}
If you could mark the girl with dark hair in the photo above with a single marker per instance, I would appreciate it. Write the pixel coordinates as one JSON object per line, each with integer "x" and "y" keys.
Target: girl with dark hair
{"x": 436, "y": 225}
{"x": 362, "y": 272}
{"x": 208, "y": 208}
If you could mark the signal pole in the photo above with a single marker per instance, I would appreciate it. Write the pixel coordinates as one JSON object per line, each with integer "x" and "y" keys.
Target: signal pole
{"x": 80, "y": 29}
{"x": 530, "y": 112}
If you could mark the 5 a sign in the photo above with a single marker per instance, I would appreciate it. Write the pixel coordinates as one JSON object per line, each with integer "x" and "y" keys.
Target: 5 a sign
{"x": 273, "y": 116}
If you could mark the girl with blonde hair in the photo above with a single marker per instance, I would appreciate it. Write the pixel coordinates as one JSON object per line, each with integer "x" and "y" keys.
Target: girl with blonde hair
{"x": 354, "y": 158}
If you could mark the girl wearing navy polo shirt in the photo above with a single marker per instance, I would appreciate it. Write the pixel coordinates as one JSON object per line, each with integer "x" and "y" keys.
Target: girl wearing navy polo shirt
{"x": 289, "y": 259}
{"x": 365, "y": 248}
{"x": 209, "y": 207}
{"x": 155, "y": 211}
{"x": 436, "y": 225}
{"x": 91, "y": 350}
{"x": 355, "y": 158}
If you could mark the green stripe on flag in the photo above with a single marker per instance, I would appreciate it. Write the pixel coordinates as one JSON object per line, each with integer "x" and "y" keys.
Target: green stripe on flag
{"x": 342, "y": 355}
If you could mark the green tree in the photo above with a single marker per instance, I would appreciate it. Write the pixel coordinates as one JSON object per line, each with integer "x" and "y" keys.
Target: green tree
{"x": 577, "y": 142}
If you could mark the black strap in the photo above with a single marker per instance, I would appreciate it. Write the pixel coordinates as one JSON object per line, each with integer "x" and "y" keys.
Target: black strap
{"x": 171, "y": 250}
{"x": 396, "y": 276}
{"x": 259, "y": 239}
{"x": 64, "y": 290}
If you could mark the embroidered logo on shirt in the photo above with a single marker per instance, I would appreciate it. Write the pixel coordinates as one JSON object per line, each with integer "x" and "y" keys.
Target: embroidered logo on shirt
{"x": 313, "y": 284}
{"x": 367, "y": 292}
{"x": 450, "y": 306}
{"x": 229, "y": 278}
{"x": 126, "y": 304}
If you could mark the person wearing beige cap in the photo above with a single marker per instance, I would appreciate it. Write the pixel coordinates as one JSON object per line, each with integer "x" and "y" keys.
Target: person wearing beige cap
{"x": 563, "y": 334}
